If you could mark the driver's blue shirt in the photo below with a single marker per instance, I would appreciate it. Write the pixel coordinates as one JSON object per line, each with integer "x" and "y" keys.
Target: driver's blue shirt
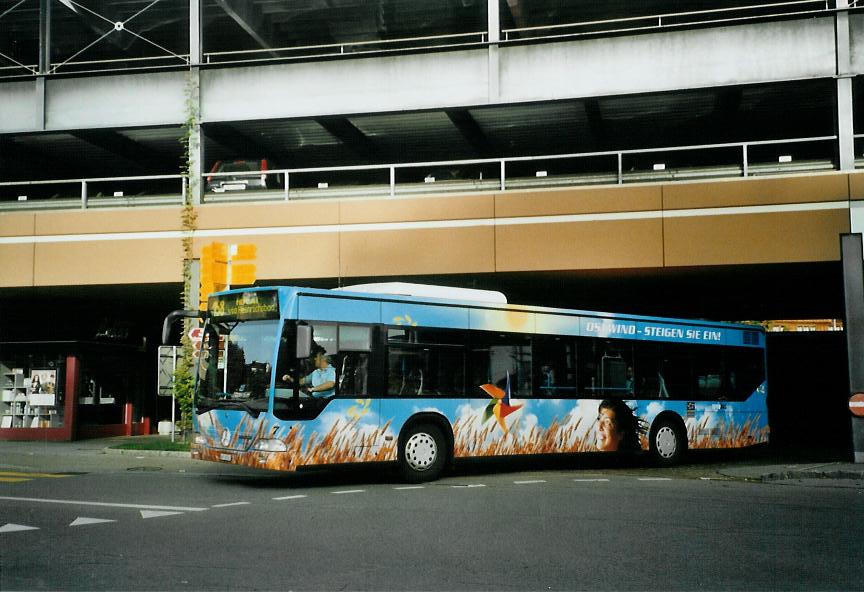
{"x": 320, "y": 376}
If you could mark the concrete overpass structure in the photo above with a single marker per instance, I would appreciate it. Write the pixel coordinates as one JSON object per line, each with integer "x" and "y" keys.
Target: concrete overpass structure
{"x": 719, "y": 75}
{"x": 774, "y": 220}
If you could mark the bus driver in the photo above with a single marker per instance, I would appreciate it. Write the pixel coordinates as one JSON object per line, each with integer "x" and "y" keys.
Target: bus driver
{"x": 321, "y": 382}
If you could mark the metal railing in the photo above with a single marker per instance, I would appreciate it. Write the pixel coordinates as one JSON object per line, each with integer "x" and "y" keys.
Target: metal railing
{"x": 614, "y": 167}
{"x": 326, "y": 50}
{"x": 672, "y": 19}
{"x": 637, "y": 24}
{"x": 615, "y": 174}
{"x": 79, "y": 193}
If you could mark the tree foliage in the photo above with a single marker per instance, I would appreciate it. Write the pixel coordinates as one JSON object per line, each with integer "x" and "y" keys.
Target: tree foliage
{"x": 184, "y": 376}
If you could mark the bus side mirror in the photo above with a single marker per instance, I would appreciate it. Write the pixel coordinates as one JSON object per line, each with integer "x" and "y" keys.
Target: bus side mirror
{"x": 172, "y": 318}
{"x": 304, "y": 341}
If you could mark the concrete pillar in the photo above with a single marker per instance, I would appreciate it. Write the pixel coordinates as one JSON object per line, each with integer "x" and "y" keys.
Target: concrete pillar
{"x": 845, "y": 127}
{"x": 196, "y": 144}
{"x": 493, "y": 20}
{"x": 195, "y": 42}
{"x": 44, "y": 36}
{"x": 70, "y": 409}
{"x": 44, "y": 59}
{"x": 853, "y": 290}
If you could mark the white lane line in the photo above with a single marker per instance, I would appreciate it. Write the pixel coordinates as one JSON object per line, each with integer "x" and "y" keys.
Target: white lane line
{"x": 348, "y": 491}
{"x": 470, "y": 485}
{"x": 287, "y": 497}
{"x": 81, "y": 521}
{"x": 654, "y": 479}
{"x": 103, "y": 504}
{"x": 529, "y": 482}
{"x": 231, "y": 504}
{"x": 709, "y": 479}
{"x": 590, "y": 480}
{"x": 16, "y": 528}
{"x": 406, "y": 487}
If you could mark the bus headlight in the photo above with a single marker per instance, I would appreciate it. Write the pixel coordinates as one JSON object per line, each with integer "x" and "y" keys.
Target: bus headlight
{"x": 271, "y": 446}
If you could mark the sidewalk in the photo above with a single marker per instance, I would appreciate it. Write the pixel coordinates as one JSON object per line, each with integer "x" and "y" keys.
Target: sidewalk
{"x": 781, "y": 472}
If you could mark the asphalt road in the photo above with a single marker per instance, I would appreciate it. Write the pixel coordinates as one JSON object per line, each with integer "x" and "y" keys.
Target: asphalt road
{"x": 124, "y": 523}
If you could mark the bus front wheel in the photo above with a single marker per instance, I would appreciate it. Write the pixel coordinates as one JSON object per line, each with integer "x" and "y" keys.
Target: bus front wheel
{"x": 422, "y": 453}
{"x": 668, "y": 441}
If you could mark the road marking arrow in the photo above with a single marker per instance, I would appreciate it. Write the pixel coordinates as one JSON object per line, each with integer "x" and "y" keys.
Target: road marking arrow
{"x": 154, "y": 514}
{"x": 16, "y": 528}
{"x": 80, "y": 521}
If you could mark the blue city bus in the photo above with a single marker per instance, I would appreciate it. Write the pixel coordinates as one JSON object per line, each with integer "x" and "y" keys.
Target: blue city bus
{"x": 292, "y": 377}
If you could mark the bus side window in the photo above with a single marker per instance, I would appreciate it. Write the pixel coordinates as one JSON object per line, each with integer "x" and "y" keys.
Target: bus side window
{"x": 675, "y": 372}
{"x": 746, "y": 371}
{"x": 354, "y": 345}
{"x": 606, "y": 367}
{"x": 352, "y": 373}
{"x": 499, "y": 358}
{"x": 708, "y": 368}
{"x": 649, "y": 382}
{"x": 554, "y": 366}
{"x": 425, "y": 362}
{"x": 405, "y": 374}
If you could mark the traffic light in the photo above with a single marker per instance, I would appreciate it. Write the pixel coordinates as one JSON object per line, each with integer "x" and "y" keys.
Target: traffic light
{"x": 242, "y": 274}
{"x": 245, "y": 252}
{"x": 215, "y": 252}
{"x": 219, "y": 272}
{"x": 213, "y": 270}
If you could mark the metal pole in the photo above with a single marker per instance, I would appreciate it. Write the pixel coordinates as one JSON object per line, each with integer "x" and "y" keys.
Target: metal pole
{"x": 620, "y": 169}
{"x": 392, "y": 181}
{"x": 173, "y": 396}
{"x": 83, "y": 195}
{"x": 503, "y": 172}
{"x": 746, "y": 159}
{"x": 852, "y": 256}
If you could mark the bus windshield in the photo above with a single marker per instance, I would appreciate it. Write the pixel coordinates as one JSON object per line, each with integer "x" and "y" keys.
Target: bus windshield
{"x": 235, "y": 365}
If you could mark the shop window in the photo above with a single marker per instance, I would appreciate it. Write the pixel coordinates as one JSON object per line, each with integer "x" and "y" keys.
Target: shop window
{"x": 32, "y": 392}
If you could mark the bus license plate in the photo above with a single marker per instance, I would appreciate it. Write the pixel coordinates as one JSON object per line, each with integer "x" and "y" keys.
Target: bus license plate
{"x": 225, "y": 457}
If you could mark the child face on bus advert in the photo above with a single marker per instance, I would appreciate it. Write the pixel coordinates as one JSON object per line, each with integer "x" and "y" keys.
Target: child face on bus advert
{"x": 608, "y": 435}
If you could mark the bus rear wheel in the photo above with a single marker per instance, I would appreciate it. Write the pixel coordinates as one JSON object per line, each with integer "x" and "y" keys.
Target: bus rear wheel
{"x": 422, "y": 453}
{"x": 668, "y": 441}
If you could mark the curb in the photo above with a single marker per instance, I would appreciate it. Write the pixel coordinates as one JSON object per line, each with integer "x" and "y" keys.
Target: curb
{"x": 785, "y": 475}
{"x": 163, "y": 453}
